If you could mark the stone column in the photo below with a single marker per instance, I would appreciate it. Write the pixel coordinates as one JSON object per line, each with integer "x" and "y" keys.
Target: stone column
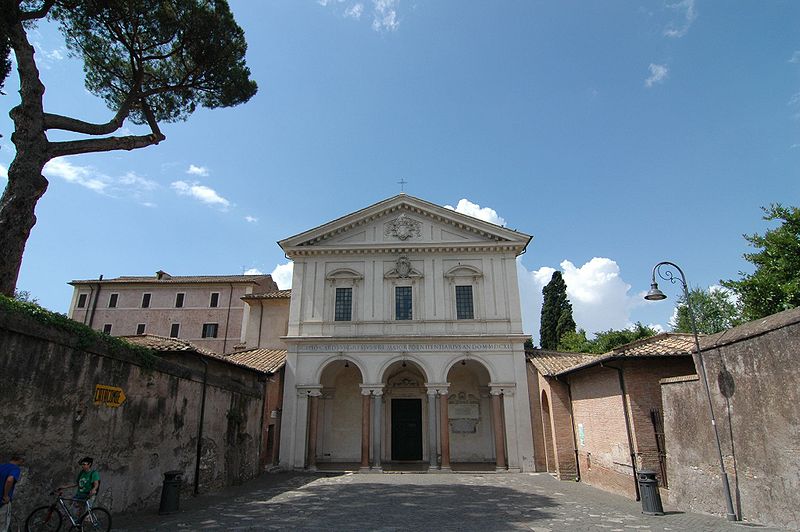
{"x": 313, "y": 409}
{"x": 444, "y": 429}
{"x": 377, "y": 429}
{"x": 432, "y": 429}
{"x": 499, "y": 430}
{"x": 365, "y": 394}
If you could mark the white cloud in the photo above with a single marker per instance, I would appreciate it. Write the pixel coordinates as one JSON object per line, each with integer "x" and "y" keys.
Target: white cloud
{"x": 45, "y": 58}
{"x": 201, "y": 193}
{"x": 253, "y": 271}
{"x": 282, "y": 275}
{"x": 794, "y": 146}
{"x": 251, "y": 219}
{"x": 486, "y": 214}
{"x": 658, "y": 73}
{"x": 3, "y": 172}
{"x": 84, "y": 176}
{"x": 355, "y": 11}
{"x": 384, "y": 15}
{"x": 599, "y": 296}
{"x": 687, "y": 13}
{"x": 795, "y": 57}
{"x": 197, "y": 170}
{"x": 133, "y": 180}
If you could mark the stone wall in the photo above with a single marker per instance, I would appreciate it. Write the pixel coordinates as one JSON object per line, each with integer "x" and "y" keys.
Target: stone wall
{"x": 757, "y": 365}
{"x": 48, "y": 384}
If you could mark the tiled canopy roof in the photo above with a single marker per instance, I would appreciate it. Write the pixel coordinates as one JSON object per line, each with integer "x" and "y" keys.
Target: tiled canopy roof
{"x": 177, "y": 279}
{"x": 276, "y": 294}
{"x": 266, "y": 360}
{"x": 553, "y": 363}
{"x": 171, "y": 345}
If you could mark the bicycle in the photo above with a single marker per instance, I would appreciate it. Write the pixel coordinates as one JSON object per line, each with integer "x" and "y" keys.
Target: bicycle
{"x": 48, "y": 518}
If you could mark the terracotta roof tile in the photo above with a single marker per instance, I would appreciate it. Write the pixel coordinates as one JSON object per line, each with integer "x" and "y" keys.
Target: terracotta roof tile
{"x": 751, "y": 328}
{"x": 170, "y": 345}
{"x": 275, "y": 294}
{"x": 552, "y": 363}
{"x": 266, "y": 360}
{"x": 177, "y": 279}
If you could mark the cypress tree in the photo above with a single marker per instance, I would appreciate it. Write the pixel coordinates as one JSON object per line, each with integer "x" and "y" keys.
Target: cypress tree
{"x": 556, "y": 313}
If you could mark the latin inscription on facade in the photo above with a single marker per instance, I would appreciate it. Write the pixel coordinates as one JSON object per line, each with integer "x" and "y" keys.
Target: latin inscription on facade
{"x": 384, "y": 348}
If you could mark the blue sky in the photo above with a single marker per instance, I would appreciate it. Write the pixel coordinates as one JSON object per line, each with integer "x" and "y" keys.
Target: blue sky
{"x": 617, "y": 133}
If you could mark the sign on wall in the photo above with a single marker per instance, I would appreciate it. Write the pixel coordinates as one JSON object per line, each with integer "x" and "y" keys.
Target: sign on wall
{"x": 111, "y": 396}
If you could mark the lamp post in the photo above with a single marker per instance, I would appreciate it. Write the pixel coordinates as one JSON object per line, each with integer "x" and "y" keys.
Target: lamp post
{"x": 657, "y": 295}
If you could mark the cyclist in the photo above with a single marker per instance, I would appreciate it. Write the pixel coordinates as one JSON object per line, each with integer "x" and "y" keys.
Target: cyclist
{"x": 87, "y": 481}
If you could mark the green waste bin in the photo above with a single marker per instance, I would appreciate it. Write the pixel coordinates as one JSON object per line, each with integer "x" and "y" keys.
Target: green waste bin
{"x": 648, "y": 490}
{"x": 170, "y": 492}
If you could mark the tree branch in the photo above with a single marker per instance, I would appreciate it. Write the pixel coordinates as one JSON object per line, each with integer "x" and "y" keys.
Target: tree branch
{"x": 39, "y": 13}
{"x": 132, "y": 142}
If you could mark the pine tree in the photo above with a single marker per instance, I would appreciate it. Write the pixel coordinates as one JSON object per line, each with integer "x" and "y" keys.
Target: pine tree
{"x": 556, "y": 313}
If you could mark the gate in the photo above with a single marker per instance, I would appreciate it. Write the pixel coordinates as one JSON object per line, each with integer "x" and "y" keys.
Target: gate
{"x": 661, "y": 445}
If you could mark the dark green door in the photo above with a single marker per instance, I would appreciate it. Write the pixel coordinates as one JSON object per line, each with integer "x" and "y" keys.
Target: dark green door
{"x": 406, "y": 429}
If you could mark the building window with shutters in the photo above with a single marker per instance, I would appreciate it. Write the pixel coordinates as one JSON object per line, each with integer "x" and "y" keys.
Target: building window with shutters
{"x": 140, "y": 328}
{"x": 179, "y": 300}
{"x": 145, "y": 300}
{"x": 112, "y": 300}
{"x": 174, "y": 330}
{"x": 214, "y": 299}
{"x": 107, "y": 328}
{"x": 210, "y": 330}
{"x": 82, "y": 300}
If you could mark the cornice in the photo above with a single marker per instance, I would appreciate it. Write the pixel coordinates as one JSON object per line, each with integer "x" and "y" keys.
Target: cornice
{"x": 403, "y": 247}
{"x": 415, "y": 339}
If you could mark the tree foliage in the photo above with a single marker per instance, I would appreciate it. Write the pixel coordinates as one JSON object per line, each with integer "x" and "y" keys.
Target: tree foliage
{"x": 150, "y": 60}
{"x": 605, "y": 341}
{"x": 556, "y": 313}
{"x": 715, "y": 310}
{"x": 774, "y": 286}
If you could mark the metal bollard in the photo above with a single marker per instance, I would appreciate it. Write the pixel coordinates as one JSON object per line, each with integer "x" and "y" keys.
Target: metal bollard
{"x": 648, "y": 489}
{"x": 170, "y": 492}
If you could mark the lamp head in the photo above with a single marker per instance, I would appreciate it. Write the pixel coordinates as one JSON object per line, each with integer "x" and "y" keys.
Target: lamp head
{"x": 655, "y": 294}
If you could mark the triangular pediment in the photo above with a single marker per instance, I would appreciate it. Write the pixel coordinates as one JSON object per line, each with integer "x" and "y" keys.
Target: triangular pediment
{"x": 407, "y": 222}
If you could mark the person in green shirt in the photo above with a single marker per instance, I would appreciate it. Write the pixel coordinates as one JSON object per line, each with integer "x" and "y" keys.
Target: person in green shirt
{"x": 87, "y": 481}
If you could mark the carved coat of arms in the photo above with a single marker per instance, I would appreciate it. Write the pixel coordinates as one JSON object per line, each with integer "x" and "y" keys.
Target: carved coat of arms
{"x": 402, "y": 227}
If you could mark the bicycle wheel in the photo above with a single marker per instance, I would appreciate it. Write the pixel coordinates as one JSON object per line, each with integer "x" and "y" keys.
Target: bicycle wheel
{"x": 43, "y": 518}
{"x": 96, "y": 520}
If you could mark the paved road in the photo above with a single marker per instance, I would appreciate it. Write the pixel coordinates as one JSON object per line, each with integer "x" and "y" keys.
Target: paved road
{"x": 393, "y": 502}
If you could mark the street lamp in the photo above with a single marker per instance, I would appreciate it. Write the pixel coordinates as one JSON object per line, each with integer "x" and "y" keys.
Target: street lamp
{"x": 654, "y": 294}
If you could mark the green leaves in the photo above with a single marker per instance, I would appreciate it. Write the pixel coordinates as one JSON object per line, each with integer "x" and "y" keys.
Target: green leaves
{"x": 774, "y": 286}
{"x": 161, "y": 57}
{"x": 556, "y": 313}
{"x": 603, "y": 342}
{"x": 715, "y": 310}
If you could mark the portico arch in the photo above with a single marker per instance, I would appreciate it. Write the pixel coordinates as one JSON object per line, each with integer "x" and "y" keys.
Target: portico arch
{"x": 337, "y": 434}
{"x": 404, "y": 409}
{"x": 404, "y": 360}
{"x": 479, "y": 359}
{"x": 470, "y": 414}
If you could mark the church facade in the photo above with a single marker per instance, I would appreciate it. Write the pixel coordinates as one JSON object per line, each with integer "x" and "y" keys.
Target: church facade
{"x": 405, "y": 343}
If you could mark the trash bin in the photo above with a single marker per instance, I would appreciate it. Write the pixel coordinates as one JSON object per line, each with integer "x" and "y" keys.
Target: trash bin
{"x": 648, "y": 489}
{"x": 170, "y": 492}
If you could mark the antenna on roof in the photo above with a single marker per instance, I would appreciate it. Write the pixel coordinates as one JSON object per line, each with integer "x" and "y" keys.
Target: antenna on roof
{"x": 402, "y": 184}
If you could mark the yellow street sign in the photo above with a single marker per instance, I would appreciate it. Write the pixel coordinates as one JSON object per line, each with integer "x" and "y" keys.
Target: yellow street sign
{"x": 111, "y": 396}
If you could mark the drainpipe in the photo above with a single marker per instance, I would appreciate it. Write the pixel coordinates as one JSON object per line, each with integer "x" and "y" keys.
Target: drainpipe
{"x": 200, "y": 427}
{"x": 260, "y": 321}
{"x": 96, "y": 297}
{"x": 227, "y": 318}
{"x": 627, "y": 426}
{"x": 574, "y": 435}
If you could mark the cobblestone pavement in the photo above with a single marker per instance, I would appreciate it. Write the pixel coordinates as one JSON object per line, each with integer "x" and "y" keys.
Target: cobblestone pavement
{"x": 430, "y": 502}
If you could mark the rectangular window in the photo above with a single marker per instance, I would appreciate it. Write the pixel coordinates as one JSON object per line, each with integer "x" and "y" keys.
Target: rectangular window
{"x": 464, "y": 309}
{"x": 81, "y": 300}
{"x": 174, "y": 330}
{"x": 402, "y": 302}
{"x": 209, "y": 330}
{"x": 214, "y": 299}
{"x": 112, "y": 300}
{"x": 179, "y": 300}
{"x": 107, "y": 328}
{"x": 140, "y": 328}
{"x": 343, "y": 309}
{"x": 145, "y": 300}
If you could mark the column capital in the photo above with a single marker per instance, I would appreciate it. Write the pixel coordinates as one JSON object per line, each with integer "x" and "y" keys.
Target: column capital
{"x": 309, "y": 390}
{"x": 434, "y": 388}
{"x": 502, "y": 388}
